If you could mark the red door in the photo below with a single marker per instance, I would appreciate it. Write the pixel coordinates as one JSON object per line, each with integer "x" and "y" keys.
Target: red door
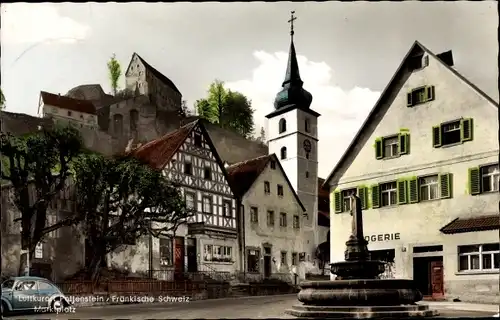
{"x": 437, "y": 280}
{"x": 179, "y": 255}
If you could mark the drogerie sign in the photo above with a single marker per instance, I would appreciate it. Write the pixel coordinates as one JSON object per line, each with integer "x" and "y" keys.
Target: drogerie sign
{"x": 382, "y": 237}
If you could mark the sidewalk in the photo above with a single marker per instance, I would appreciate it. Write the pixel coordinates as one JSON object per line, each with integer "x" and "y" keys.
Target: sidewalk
{"x": 462, "y": 306}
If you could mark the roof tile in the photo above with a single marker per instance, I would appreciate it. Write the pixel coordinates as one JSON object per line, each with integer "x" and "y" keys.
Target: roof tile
{"x": 243, "y": 174}
{"x": 68, "y": 103}
{"x": 482, "y": 223}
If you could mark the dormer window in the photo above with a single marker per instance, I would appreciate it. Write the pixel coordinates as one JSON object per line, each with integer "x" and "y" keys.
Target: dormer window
{"x": 307, "y": 126}
{"x": 283, "y": 153}
{"x": 197, "y": 140}
{"x": 273, "y": 165}
{"x": 282, "y": 126}
{"x": 418, "y": 62}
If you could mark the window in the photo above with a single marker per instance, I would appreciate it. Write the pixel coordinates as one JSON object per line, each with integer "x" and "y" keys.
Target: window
{"x": 294, "y": 258}
{"x": 253, "y": 260}
{"x": 346, "y": 199}
{"x": 282, "y": 125}
{"x": 296, "y": 222}
{"x": 283, "y": 219}
{"x": 307, "y": 125}
{"x": 214, "y": 253}
{"x": 42, "y": 285}
{"x": 490, "y": 177}
{"x": 267, "y": 187}
{"x": 280, "y": 190}
{"x": 452, "y": 132}
{"x": 188, "y": 168}
{"x": 27, "y": 285}
{"x": 207, "y": 173}
{"x": 254, "y": 214}
{"x": 420, "y": 95}
{"x": 428, "y": 188}
{"x": 190, "y": 201}
{"x": 283, "y": 153}
{"x": 207, "y": 205}
{"x": 69, "y": 113}
{"x": 270, "y": 218}
{"x": 166, "y": 257}
{"x": 388, "y": 193}
{"x": 478, "y": 257}
{"x": 273, "y": 164}
{"x": 226, "y": 211}
{"x": 197, "y": 139}
{"x": 81, "y": 116}
{"x": 283, "y": 257}
{"x": 418, "y": 62}
{"x": 392, "y": 146}
{"x": 307, "y": 174}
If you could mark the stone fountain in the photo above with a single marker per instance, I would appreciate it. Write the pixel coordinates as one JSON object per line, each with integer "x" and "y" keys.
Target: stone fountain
{"x": 359, "y": 294}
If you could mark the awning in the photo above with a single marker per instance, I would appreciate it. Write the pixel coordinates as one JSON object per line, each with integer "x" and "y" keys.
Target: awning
{"x": 482, "y": 223}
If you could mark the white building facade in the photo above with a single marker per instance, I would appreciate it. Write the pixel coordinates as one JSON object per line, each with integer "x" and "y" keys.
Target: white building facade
{"x": 425, "y": 165}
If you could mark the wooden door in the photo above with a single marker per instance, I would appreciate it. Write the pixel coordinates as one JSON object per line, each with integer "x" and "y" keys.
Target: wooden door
{"x": 179, "y": 254}
{"x": 437, "y": 280}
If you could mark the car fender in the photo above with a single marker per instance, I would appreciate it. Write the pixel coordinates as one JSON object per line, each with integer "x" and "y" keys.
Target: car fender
{"x": 57, "y": 296}
{"x": 7, "y": 303}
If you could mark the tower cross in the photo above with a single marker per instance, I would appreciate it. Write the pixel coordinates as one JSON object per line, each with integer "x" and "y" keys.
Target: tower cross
{"x": 292, "y": 19}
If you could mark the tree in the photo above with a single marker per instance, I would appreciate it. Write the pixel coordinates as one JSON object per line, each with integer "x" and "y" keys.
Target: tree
{"x": 114, "y": 72}
{"x": 122, "y": 200}
{"x": 2, "y": 100}
{"x": 262, "y": 136}
{"x": 229, "y": 109}
{"x": 38, "y": 168}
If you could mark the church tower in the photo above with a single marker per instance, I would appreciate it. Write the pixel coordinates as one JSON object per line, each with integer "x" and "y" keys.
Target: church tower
{"x": 293, "y": 136}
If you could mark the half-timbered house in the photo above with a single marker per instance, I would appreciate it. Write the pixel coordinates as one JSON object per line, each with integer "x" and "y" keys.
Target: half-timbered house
{"x": 208, "y": 239}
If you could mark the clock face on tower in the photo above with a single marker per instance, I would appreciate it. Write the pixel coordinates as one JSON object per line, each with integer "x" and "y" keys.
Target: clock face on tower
{"x": 307, "y": 145}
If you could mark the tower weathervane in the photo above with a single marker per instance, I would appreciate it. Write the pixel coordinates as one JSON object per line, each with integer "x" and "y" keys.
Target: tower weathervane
{"x": 292, "y": 19}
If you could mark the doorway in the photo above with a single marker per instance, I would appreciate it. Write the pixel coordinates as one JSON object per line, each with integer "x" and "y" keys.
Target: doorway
{"x": 192, "y": 256}
{"x": 179, "y": 255}
{"x": 428, "y": 276}
{"x": 267, "y": 262}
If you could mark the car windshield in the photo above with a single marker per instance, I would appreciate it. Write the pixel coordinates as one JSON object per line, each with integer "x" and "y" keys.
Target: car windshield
{"x": 8, "y": 284}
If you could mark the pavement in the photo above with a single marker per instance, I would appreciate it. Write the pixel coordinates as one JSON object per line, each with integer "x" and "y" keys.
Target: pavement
{"x": 244, "y": 307}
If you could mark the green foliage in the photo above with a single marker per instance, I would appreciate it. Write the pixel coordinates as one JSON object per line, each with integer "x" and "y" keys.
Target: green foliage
{"x": 121, "y": 200}
{"x": 2, "y": 100}
{"x": 114, "y": 72}
{"x": 38, "y": 166}
{"x": 230, "y": 109}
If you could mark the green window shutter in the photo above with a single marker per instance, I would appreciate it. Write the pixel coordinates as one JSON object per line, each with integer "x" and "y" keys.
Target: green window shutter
{"x": 402, "y": 193}
{"x": 413, "y": 190}
{"x": 379, "y": 148}
{"x": 466, "y": 129}
{"x": 445, "y": 185}
{"x": 474, "y": 181}
{"x": 363, "y": 196}
{"x": 409, "y": 102}
{"x": 375, "y": 196}
{"x": 404, "y": 143}
{"x": 337, "y": 201}
{"x": 429, "y": 93}
{"x": 436, "y": 136}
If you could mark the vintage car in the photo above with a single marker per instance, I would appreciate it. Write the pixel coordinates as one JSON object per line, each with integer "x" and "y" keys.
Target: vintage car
{"x": 31, "y": 294}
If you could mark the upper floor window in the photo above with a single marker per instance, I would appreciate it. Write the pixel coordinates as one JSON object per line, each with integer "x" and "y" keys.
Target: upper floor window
{"x": 294, "y": 259}
{"x": 207, "y": 173}
{"x": 197, "y": 139}
{"x": 420, "y": 95}
{"x": 392, "y": 146}
{"x": 418, "y": 62}
{"x": 296, "y": 222}
{"x": 307, "y": 125}
{"x": 388, "y": 194}
{"x": 283, "y": 258}
{"x": 346, "y": 199}
{"x": 207, "y": 204}
{"x": 280, "y": 190}
{"x": 484, "y": 179}
{"x": 283, "y": 222}
{"x": 478, "y": 257}
{"x": 227, "y": 209}
{"x": 342, "y": 198}
{"x": 267, "y": 187}
{"x": 282, "y": 125}
{"x": 69, "y": 113}
{"x": 452, "y": 132}
{"x": 273, "y": 164}
{"x": 283, "y": 153}
{"x": 190, "y": 200}
{"x": 188, "y": 168}
{"x": 254, "y": 214}
{"x": 428, "y": 188}
{"x": 270, "y": 218}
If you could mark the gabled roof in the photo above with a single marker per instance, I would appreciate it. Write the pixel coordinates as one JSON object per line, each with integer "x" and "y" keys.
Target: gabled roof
{"x": 242, "y": 175}
{"x": 461, "y": 225}
{"x": 155, "y": 72}
{"x": 416, "y": 47}
{"x": 68, "y": 103}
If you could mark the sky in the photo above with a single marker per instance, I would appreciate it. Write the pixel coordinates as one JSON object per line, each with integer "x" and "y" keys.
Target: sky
{"x": 347, "y": 52}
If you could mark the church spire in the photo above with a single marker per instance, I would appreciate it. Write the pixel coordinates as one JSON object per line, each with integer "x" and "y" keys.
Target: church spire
{"x": 292, "y": 92}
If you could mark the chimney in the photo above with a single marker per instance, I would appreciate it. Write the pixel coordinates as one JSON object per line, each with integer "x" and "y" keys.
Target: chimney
{"x": 446, "y": 57}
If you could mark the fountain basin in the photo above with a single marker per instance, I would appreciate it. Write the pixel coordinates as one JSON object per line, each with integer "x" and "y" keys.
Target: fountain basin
{"x": 361, "y": 312}
{"x": 356, "y": 292}
{"x": 358, "y": 269}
